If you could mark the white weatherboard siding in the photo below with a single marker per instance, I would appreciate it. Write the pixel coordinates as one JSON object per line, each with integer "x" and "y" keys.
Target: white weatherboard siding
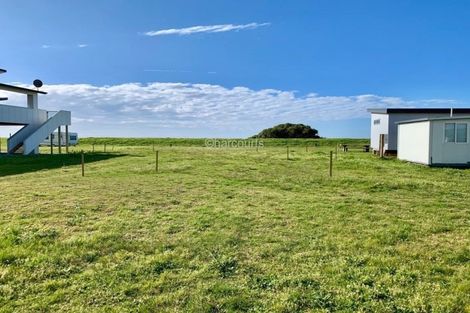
{"x": 413, "y": 142}
{"x": 378, "y": 125}
{"x": 448, "y": 152}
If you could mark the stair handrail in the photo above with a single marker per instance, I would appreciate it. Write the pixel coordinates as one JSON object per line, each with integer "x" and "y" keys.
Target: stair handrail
{"x": 12, "y": 141}
{"x": 37, "y": 137}
{"x": 50, "y": 114}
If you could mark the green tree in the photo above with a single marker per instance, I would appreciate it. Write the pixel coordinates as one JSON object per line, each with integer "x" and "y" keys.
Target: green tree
{"x": 289, "y": 130}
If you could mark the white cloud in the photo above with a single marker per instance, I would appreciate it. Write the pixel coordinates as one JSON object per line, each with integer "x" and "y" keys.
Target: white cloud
{"x": 144, "y": 109}
{"x": 79, "y": 120}
{"x": 80, "y": 45}
{"x": 205, "y": 29}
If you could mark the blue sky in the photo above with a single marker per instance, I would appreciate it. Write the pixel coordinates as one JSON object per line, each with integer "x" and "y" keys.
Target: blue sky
{"x": 231, "y": 68}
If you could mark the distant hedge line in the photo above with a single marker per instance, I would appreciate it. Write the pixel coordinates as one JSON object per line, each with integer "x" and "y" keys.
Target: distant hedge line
{"x": 201, "y": 142}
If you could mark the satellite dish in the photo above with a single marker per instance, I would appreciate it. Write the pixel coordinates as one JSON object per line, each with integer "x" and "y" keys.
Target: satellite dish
{"x": 37, "y": 83}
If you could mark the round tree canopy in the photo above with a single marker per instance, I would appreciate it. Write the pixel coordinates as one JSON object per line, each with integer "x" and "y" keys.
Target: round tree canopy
{"x": 289, "y": 130}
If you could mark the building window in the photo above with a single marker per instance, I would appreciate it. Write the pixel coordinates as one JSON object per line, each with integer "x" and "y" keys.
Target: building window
{"x": 455, "y": 132}
{"x": 73, "y": 137}
{"x": 449, "y": 135}
{"x": 377, "y": 122}
{"x": 461, "y": 132}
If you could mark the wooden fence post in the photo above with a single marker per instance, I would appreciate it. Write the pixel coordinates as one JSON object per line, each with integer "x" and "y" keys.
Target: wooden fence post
{"x": 59, "y": 138}
{"x": 83, "y": 164}
{"x": 331, "y": 163}
{"x": 156, "y": 161}
{"x": 381, "y": 145}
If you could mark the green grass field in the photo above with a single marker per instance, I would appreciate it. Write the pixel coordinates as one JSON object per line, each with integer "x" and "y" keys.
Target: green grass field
{"x": 234, "y": 229}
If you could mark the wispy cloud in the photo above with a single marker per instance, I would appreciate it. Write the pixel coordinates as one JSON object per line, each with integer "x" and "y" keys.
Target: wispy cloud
{"x": 61, "y": 46}
{"x": 205, "y": 29}
{"x": 163, "y": 70}
{"x": 167, "y": 70}
{"x": 182, "y": 108}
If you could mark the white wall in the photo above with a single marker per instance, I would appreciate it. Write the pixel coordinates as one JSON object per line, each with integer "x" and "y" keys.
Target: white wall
{"x": 413, "y": 142}
{"x": 377, "y": 129}
{"x": 21, "y": 116}
{"x": 449, "y": 152}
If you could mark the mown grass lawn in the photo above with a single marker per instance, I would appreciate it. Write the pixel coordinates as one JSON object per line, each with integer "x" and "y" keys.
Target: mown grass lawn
{"x": 222, "y": 230}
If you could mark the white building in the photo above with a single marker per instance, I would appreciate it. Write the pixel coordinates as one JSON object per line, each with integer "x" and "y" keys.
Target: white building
{"x": 435, "y": 141}
{"x": 53, "y": 139}
{"x": 384, "y": 121}
{"x": 37, "y": 124}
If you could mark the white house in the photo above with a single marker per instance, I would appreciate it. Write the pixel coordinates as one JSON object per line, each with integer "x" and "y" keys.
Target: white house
{"x": 37, "y": 124}
{"x": 384, "y": 121}
{"x": 435, "y": 141}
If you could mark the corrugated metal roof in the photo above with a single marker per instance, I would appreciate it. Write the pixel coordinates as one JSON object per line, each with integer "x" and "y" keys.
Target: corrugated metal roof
{"x": 426, "y": 119}
{"x": 419, "y": 110}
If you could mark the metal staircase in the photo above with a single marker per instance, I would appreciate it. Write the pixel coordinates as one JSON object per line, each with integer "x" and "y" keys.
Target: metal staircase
{"x": 33, "y": 141}
{"x": 37, "y": 124}
{"x": 28, "y": 138}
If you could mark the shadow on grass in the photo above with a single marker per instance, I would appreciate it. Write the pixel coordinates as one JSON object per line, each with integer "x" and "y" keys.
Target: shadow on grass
{"x": 19, "y": 164}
